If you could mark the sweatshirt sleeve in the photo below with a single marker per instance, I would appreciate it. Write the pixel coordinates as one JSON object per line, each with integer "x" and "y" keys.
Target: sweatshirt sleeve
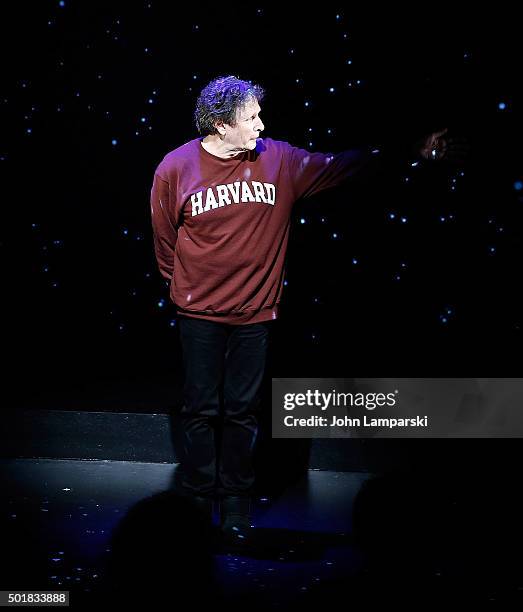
{"x": 314, "y": 172}
{"x": 164, "y": 232}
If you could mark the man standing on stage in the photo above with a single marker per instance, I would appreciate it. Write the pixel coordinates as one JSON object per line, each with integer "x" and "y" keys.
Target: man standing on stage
{"x": 221, "y": 207}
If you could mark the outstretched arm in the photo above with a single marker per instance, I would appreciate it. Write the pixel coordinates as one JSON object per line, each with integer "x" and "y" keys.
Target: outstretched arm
{"x": 314, "y": 172}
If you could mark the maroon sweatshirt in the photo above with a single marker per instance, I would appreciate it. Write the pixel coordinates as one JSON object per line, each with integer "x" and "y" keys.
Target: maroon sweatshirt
{"x": 221, "y": 226}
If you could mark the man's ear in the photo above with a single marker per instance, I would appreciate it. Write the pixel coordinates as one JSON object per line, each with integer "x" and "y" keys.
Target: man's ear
{"x": 220, "y": 127}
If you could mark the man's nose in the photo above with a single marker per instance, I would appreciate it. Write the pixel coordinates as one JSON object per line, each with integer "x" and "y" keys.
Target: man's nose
{"x": 261, "y": 127}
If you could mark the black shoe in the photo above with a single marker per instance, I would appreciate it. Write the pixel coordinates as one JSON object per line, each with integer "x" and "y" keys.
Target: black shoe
{"x": 235, "y": 522}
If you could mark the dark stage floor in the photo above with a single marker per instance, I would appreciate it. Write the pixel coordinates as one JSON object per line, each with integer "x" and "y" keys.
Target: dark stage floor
{"x": 333, "y": 534}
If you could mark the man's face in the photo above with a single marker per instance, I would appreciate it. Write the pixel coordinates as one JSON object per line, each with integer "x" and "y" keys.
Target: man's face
{"x": 247, "y": 129}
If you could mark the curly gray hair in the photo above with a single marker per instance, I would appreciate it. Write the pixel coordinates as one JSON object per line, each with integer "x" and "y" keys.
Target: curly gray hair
{"x": 221, "y": 99}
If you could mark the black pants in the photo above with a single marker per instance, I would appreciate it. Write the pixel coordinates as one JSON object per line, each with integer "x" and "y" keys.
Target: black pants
{"x": 235, "y": 355}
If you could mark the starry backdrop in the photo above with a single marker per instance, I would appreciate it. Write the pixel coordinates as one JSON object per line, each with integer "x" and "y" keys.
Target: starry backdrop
{"x": 412, "y": 273}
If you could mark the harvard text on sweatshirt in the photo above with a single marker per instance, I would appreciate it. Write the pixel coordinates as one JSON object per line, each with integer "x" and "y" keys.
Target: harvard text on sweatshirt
{"x": 221, "y": 226}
